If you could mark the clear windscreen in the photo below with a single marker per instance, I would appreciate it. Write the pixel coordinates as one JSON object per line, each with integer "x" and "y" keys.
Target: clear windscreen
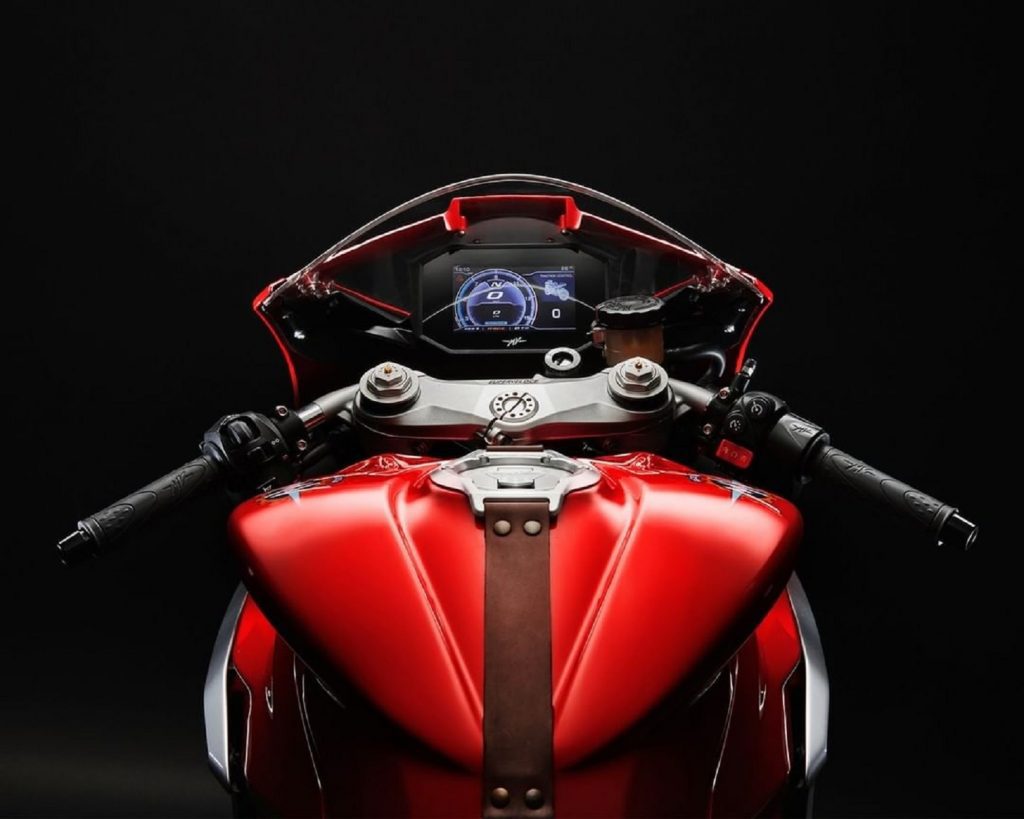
{"x": 414, "y": 224}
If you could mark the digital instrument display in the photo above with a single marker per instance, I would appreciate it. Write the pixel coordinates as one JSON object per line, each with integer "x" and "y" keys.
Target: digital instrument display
{"x": 514, "y": 298}
{"x": 509, "y": 299}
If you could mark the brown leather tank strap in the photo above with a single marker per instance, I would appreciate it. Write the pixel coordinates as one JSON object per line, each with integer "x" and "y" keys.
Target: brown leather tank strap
{"x": 518, "y": 720}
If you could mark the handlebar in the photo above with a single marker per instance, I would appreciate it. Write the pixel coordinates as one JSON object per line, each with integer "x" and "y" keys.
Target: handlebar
{"x": 246, "y": 450}
{"x": 941, "y": 520}
{"x": 96, "y": 532}
{"x": 760, "y": 423}
{"x": 256, "y": 452}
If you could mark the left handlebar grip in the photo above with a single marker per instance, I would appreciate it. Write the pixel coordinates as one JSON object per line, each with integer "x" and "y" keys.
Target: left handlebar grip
{"x": 96, "y": 533}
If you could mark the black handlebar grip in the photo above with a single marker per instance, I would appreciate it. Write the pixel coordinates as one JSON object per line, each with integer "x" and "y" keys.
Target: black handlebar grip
{"x": 96, "y": 532}
{"x": 940, "y": 519}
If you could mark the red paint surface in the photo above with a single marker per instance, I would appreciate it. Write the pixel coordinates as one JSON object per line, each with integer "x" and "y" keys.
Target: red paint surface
{"x": 654, "y": 571}
{"x": 724, "y": 754}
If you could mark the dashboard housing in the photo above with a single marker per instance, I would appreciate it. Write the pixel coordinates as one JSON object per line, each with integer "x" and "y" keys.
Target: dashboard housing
{"x": 392, "y": 296}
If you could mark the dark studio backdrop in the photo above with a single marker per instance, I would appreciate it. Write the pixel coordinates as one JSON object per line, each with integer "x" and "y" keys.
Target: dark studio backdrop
{"x": 167, "y": 163}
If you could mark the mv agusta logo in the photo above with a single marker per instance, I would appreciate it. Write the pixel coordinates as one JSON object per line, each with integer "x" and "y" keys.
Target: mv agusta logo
{"x": 515, "y": 341}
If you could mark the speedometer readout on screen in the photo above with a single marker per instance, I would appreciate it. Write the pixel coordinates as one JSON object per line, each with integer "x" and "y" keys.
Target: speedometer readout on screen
{"x": 514, "y": 298}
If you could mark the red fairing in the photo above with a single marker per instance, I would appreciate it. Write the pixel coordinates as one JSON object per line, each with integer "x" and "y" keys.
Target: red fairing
{"x": 658, "y": 573}
{"x": 303, "y": 752}
{"x": 265, "y": 718}
{"x": 306, "y": 751}
{"x": 658, "y": 576}
{"x": 694, "y": 758}
{"x": 760, "y": 750}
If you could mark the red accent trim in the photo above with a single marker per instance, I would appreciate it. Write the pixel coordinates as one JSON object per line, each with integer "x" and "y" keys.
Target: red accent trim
{"x": 572, "y": 218}
{"x": 454, "y": 221}
{"x": 383, "y": 305}
{"x": 732, "y": 453}
{"x": 256, "y": 305}
{"x": 672, "y": 288}
{"x": 561, "y": 209}
{"x": 768, "y": 297}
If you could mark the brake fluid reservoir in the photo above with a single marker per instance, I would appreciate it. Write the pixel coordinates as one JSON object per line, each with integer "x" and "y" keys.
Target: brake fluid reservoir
{"x": 629, "y": 326}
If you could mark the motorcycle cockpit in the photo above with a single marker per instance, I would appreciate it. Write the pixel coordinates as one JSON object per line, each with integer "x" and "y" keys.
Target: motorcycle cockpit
{"x": 474, "y": 276}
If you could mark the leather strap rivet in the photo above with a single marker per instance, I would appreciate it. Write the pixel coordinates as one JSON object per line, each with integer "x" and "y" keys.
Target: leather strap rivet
{"x": 502, "y": 527}
{"x": 500, "y": 797}
{"x": 534, "y": 799}
{"x": 532, "y": 527}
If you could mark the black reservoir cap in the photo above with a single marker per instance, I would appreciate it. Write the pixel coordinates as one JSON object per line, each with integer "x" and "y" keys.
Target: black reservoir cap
{"x": 629, "y": 312}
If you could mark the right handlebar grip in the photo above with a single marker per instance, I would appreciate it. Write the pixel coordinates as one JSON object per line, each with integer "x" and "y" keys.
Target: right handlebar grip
{"x": 940, "y": 519}
{"x": 96, "y": 532}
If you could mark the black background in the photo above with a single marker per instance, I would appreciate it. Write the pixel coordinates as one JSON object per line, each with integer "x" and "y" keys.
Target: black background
{"x": 164, "y": 165}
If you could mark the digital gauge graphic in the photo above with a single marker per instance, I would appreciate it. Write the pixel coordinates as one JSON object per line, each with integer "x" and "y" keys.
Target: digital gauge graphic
{"x": 495, "y": 298}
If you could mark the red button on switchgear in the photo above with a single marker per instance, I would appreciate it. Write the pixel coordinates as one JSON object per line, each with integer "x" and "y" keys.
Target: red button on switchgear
{"x": 734, "y": 454}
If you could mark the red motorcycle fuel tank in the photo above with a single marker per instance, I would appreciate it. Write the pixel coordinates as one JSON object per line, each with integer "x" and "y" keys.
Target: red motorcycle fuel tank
{"x": 658, "y": 575}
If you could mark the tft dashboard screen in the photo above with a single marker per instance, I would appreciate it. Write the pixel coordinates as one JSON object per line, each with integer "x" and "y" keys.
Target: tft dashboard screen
{"x": 514, "y": 298}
